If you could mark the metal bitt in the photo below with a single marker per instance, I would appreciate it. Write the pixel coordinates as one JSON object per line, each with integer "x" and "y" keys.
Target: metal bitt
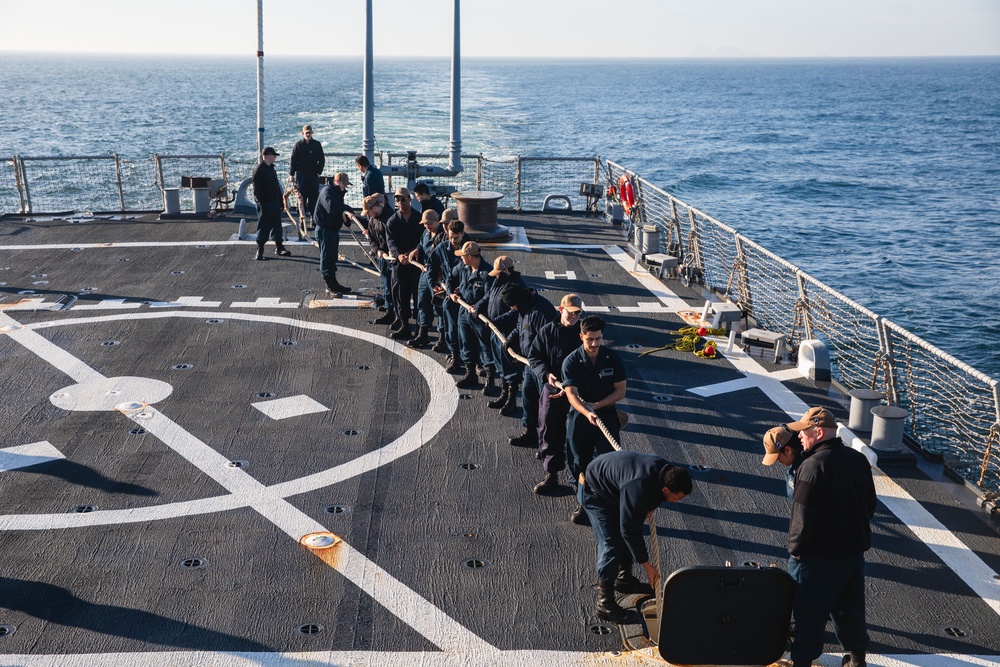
{"x": 368, "y": 101}
{"x": 887, "y": 428}
{"x": 862, "y": 402}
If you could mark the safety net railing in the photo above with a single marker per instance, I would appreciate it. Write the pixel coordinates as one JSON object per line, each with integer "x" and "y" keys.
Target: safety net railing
{"x": 954, "y": 409}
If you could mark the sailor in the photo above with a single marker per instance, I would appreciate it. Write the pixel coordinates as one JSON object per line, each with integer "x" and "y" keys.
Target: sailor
{"x": 305, "y": 167}
{"x": 828, "y": 535}
{"x": 442, "y": 263}
{"x": 374, "y": 229}
{"x": 372, "y": 183}
{"x": 471, "y": 282}
{"x": 780, "y": 447}
{"x": 594, "y": 379}
{"x": 267, "y": 192}
{"x": 330, "y": 215}
{"x": 551, "y": 346}
{"x": 431, "y": 238}
{"x": 533, "y": 311}
{"x": 501, "y": 363}
{"x": 403, "y": 232}
{"x": 427, "y": 200}
{"x": 621, "y": 489}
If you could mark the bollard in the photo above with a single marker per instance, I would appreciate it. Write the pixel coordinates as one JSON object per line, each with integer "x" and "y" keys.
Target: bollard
{"x": 171, "y": 201}
{"x": 862, "y": 402}
{"x": 887, "y": 429}
{"x": 201, "y": 200}
{"x": 243, "y": 229}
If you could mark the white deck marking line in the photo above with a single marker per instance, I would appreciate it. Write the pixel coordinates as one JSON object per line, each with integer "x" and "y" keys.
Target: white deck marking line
{"x": 22, "y": 456}
{"x": 673, "y": 302}
{"x": 155, "y": 244}
{"x": 53, "y": 354}
{"x": 31, "y": 303}
{"x": 952, "y": 551}
{"x": 107, "y": 304}
{"x": 552, "y": 275}
{"x": 291, "y": 406}
{"x": 414, "y": 610}
{"x": 265, "y": 302}
{"x": 643, "y": 658}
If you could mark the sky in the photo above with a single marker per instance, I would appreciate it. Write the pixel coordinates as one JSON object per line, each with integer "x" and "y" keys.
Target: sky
{"x": 511, "y": 28}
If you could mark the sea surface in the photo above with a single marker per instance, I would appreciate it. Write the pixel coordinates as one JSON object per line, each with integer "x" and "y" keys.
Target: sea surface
{"x": 879, "y": 177}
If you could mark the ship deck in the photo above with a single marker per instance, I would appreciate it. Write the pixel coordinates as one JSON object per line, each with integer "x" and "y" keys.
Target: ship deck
{"x": 168, "y": 532}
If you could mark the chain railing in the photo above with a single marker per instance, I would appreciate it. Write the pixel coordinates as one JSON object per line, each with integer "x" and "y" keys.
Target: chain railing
{"x": 954, "y": 409}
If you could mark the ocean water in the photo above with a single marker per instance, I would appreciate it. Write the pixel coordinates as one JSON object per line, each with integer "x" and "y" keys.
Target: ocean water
{"x": 879, "y": 177}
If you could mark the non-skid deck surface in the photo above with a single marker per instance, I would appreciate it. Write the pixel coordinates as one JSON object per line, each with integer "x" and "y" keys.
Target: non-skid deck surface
{"x": 268, "y": 419}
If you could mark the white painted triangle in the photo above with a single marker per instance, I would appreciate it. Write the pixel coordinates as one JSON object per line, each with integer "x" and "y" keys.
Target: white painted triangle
{"x": 22, "y": 456}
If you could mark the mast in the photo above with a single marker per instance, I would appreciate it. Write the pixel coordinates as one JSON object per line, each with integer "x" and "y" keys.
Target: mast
{"x": 260, "y": 76}
{"x": 368, "y": 103}
{"x": 455, "y": 142}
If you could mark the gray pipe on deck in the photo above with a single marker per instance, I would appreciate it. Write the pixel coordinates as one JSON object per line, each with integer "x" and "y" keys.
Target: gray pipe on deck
{"x": 368, "y": 103}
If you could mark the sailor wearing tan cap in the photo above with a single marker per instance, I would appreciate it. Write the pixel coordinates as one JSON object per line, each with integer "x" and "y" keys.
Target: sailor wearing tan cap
{"x": 430, "y": 239}
{"x": 828, "y": 535}
{"x": 780, "y": 446}
{"x": 471, "y": 281}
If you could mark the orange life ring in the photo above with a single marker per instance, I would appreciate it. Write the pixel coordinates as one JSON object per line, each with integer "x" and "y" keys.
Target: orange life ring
{"x": 627, "y": 193}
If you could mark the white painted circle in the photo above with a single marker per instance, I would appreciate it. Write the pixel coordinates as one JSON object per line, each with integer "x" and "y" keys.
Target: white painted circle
{"x": 440, "y": 409}
{"x": 97, "y": 396}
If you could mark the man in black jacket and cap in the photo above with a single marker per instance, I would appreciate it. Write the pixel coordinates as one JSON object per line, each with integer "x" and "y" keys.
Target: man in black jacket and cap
{"x": 267, "y": 192}
{"x": 305, "y": 167}
{"x": 828, "y": 535}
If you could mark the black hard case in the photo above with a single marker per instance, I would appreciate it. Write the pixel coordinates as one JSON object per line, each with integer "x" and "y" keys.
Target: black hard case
{"x": 725, "y": 616}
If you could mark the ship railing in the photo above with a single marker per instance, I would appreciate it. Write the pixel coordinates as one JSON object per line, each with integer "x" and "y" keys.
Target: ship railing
{"x": 954, "y": 408}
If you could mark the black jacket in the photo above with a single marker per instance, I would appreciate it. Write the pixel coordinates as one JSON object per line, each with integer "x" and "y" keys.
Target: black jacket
{"x": 550, "y": 348}
{"x": 834, "y": 502}
{"x": 307, "y": 158}
{"x": 330, "y": 207}
{"x": 266, "y": 187}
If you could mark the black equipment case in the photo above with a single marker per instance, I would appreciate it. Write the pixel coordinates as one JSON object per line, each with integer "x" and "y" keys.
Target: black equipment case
{"x": 725, "y": 615}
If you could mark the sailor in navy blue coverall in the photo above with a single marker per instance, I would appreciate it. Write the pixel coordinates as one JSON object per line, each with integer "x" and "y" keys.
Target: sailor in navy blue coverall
{"x": 620, "y": 490}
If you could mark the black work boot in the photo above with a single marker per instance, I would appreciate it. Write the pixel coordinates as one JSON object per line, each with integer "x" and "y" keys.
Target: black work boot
{"x": 626, "y": 582}
{"x": 488, "y": 382}
{"x": 388, "y": 318}
{"x": 282, "y": 251}
{"x": 259, "y": 255}
{"x": 337, "y": 287}
{"x": 469, "y": 380}
{"x": 454, "y": 364}
{"x": 548, "y": 484}
{"x": 854, "y": 659}
{"x": 501, "y": 400}
{"x": 527, "y": 439}
{"x": 510, "y": 407}
{"x": 441, "y": 346}
{"x": 421, "y": 340}
{"x": 403, "y": 333}
{"x": 608, "y": 608}
{"x": 580, "y": 518}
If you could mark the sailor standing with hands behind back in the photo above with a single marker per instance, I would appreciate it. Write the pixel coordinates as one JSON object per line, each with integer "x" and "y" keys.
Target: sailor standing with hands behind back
{"x": 267, "y": 192}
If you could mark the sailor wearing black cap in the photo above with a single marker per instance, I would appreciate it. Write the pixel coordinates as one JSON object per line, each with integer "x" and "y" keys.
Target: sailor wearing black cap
{"x": 267, "y": 192}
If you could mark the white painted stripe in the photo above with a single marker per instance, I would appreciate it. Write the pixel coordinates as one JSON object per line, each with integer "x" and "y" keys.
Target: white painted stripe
{"x": 518, "y": 241}
{"x": 51, "y": 353}
{"x": 22, "y": 456}
{"x": 723, "y": 387}
{"x": 524, "y": 658}
{"x": 673, "y": 302}
{"x": 195, "y": 301}
{"x": 265, "y": 302}
{"x": 107, "y": 304}
{"x": 596, "y": 309}
{"x": 646, "y": 307}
